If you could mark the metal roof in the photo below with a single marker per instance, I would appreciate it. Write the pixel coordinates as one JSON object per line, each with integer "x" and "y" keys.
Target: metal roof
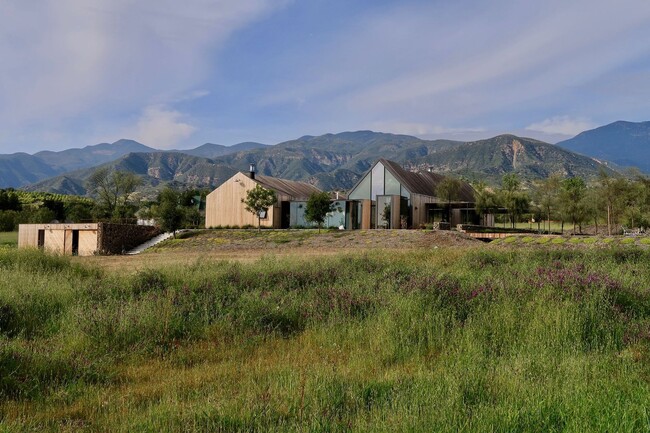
{"x": 424, "y": 183}
{"x": 296, "y": 190}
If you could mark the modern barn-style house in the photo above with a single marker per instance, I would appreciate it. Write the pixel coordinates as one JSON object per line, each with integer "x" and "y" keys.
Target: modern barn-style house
{"x": 389, "y": 196}
{"x": 224, "y": 207}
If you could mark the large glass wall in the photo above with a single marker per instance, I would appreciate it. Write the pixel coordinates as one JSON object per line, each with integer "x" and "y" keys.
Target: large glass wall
{"x": 378, "y": 181}
{"x": 333, "y": 219}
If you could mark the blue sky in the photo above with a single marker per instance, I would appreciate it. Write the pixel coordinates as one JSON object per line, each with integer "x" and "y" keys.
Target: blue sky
{"x": 178, "y": 74}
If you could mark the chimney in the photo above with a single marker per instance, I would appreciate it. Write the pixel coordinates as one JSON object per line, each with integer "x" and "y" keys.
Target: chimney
{"x": 251, "y": 170}
{"x": 337, "y": 195}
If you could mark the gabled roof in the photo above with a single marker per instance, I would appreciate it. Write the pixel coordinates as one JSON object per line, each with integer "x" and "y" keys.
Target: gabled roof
{"x": 424, "y": 183}
{"x": 297, "y": 190}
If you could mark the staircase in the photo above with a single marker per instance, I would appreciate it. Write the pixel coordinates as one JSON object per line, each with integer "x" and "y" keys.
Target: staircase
{"x": 150, "y": 243}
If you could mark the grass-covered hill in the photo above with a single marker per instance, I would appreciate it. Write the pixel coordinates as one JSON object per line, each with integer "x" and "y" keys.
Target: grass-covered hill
{"x": 442, "y": 340}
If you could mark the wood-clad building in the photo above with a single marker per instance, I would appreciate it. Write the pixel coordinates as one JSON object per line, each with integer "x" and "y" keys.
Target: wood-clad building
{"x": 70, "y": 239}
{"x": 224, "y": 207}
{"x": 84, "y": 239}
{"x": 389, "y": 196}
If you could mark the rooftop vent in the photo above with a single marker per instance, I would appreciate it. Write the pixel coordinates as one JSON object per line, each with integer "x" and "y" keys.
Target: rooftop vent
{"x": 251, "y": 170}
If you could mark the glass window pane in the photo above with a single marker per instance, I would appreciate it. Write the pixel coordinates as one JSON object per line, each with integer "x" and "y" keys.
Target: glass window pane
{"x": 383, "y": 211}
{"x": 405, "y": 193}
{"x": 377, "y": 181}
{"x": 392, "y": 185}
{"x": 362, "y": 191}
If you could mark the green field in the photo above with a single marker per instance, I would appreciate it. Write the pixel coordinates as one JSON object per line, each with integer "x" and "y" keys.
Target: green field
{"x": 9, "y": 239}
{"x": 545, "y": 339}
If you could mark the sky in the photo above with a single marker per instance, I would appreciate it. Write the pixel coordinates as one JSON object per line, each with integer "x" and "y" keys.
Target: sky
{"x": 175, "y": 75}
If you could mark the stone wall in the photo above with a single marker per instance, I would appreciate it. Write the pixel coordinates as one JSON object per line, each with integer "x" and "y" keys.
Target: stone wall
{"x": 118, "y": 238}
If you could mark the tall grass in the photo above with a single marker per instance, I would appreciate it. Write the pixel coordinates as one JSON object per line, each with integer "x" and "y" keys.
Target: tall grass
{"x": 444, "y": 340}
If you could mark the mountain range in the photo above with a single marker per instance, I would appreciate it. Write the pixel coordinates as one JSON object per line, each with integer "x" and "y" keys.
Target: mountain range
{"x": 334, "y": 161}
{"x": 626, "y": 144}
{"x": 22, "y": 169}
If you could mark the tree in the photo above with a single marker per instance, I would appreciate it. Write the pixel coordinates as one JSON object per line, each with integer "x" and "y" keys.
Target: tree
{"x": 594, "y": 203}
{"x": 449, "y": 190}
{"x": 168, "y": 212}
{"x": 317, "y": 208}
{"x": 635, "y": 199}
{"x": 8, "y": 220}
{"x": 41, "y": 215}
{"x": 572, "y": 196}
{"x": 78, "y": 211}
{"x": 546, "y": 196}
{"x": 9, "y": 200}
{"x": 611, "y": 189}
{"x": 512, "y": 198}
{"x": 258, "y": 200}
{"x": 113, "y": 190}
{"x": 485, "y": 200}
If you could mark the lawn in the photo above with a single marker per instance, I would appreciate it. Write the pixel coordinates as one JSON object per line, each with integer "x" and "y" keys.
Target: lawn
{"x": 449, "y": 339}
{"x": 9, "y": 239}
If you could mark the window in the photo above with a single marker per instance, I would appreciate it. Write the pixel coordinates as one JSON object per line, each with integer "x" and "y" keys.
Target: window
{"x": 392, "y": 185}
{"x": 377, "y": 181}
{"x": 362, "y": 191}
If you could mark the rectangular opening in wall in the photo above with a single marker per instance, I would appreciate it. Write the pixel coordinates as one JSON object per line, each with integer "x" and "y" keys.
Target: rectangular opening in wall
{"x": 285, "y": 211}
{"x": 41, "y": 239}
{"x": 75, "y": 242}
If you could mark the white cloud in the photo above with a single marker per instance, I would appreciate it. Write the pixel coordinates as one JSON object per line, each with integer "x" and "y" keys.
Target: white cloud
{"x": 460, "y": 62}
{"x": 74, "y": 58}
{"x": 562, "y": 125}
{"x": 161, "y": 128}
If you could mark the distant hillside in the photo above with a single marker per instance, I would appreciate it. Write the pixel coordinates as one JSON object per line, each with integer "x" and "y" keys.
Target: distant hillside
{"x": 156, "y": 169}
{"x": 209, "y": 150}
{"x": 336, "y": 161}
{"x": 623, "y": 143}
{"x": 89, "y": 156}
{"x": 20, "y": 169}
{"x": 490, "y": 159}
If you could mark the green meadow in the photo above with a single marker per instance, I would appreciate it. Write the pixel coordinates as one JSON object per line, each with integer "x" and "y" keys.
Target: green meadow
{"x": 8, "y": 239}
{"x": 472, "y": 340}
